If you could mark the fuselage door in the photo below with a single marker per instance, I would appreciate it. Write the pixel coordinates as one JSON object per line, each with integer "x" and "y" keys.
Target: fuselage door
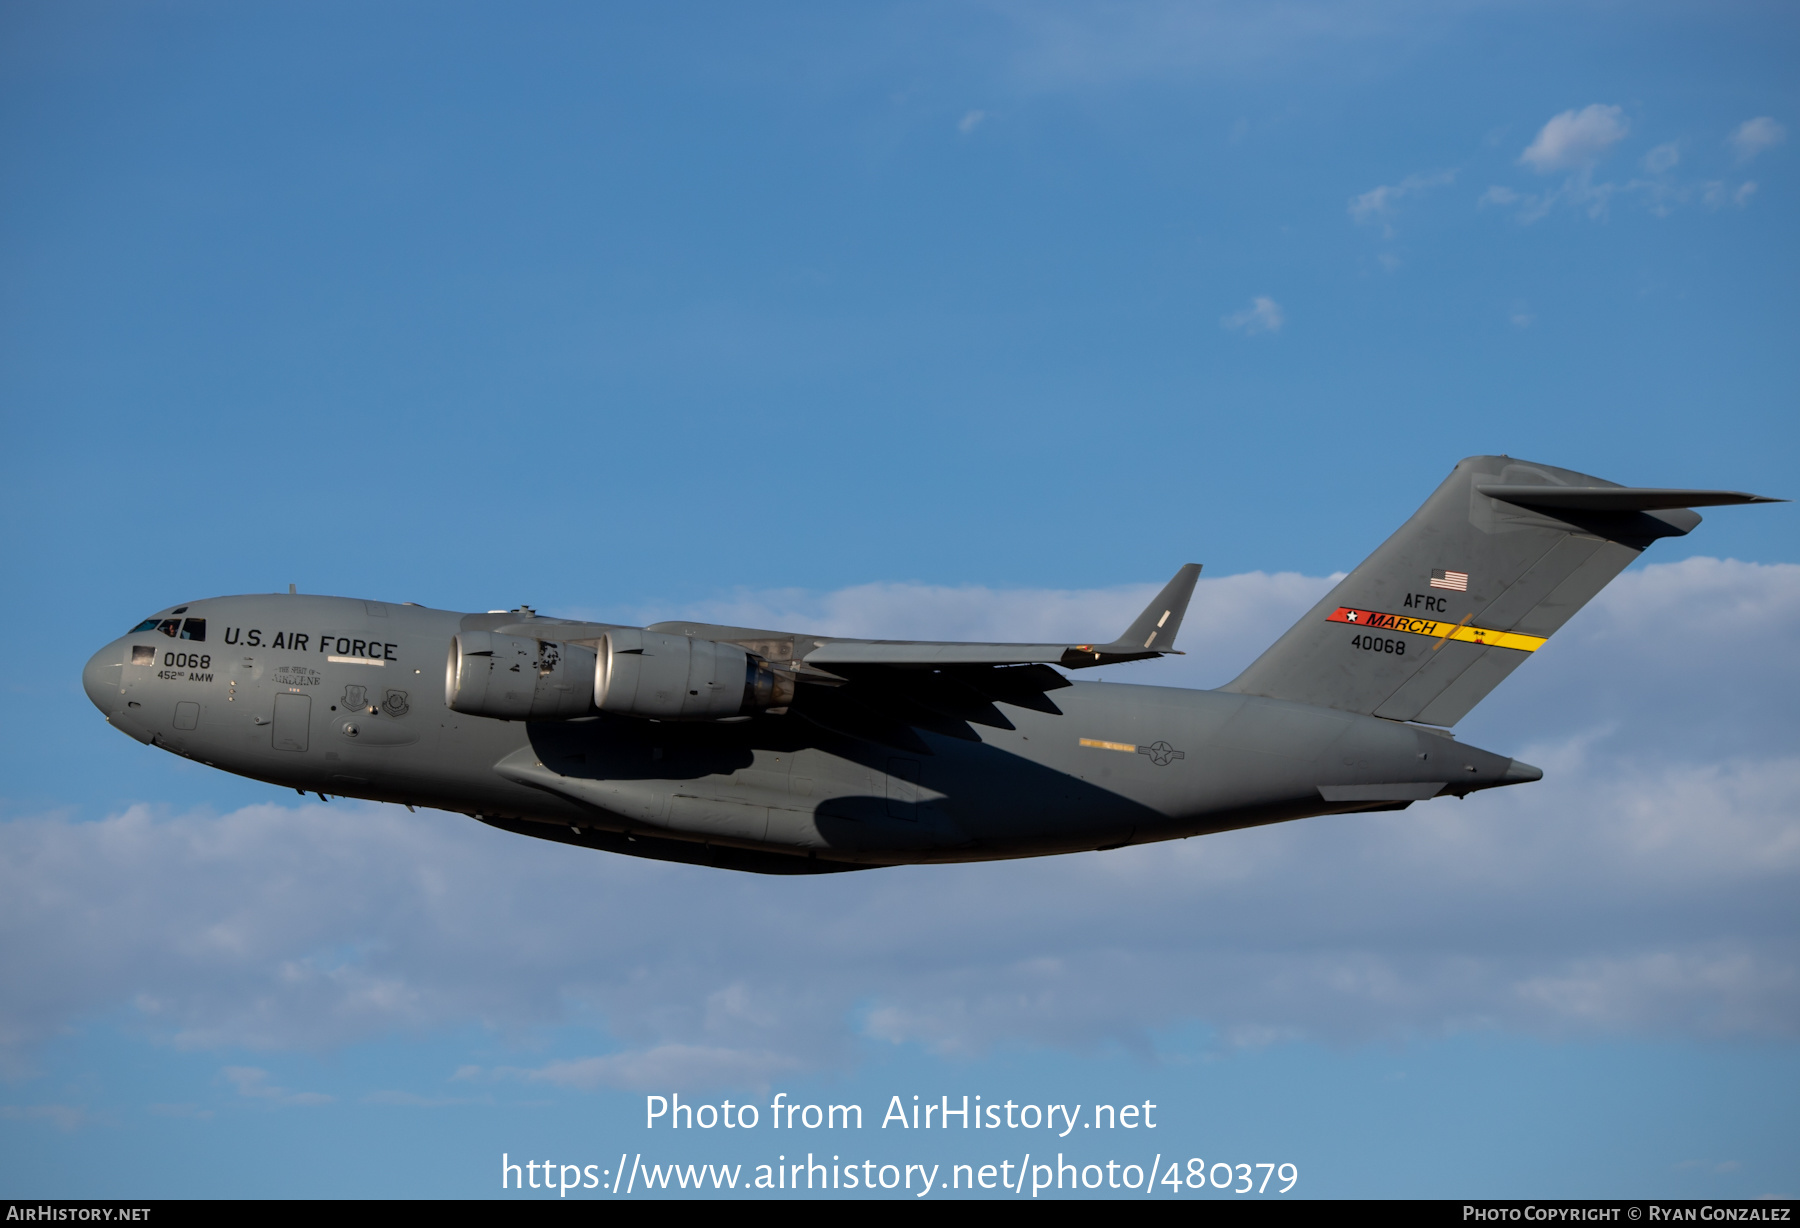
{"x": 293, "y": 722}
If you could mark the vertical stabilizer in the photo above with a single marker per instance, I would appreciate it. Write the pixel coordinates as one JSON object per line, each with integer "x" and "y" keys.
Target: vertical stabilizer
{"x": 1501, "y": 556}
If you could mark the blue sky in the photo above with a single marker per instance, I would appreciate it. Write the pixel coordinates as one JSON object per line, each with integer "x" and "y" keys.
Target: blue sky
{"x": 900, "y": 319}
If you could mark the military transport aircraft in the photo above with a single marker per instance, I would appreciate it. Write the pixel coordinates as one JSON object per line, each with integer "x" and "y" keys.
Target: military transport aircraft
{"x": 786, "y": 753}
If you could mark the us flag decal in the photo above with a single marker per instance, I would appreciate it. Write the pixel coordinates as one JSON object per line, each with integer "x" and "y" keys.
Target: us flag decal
{"x": 1457, "y": 580}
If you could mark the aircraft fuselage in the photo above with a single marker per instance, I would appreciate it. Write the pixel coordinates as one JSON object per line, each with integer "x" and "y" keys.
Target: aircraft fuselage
{"x": 347, "y": 698}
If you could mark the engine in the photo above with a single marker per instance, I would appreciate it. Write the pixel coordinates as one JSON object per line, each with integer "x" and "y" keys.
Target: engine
{"x": 514, "y": 679}
{"x": 675, "y": 678}
{"x": 635, "y": 673}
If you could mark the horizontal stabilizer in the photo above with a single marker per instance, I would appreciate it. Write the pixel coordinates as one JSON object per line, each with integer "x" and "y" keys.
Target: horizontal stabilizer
{"x": 1617, "y": 498}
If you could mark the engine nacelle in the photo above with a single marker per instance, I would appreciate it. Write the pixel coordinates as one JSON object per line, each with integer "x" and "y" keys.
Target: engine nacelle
{"x": 514, "y": 679}
{"x": 675, "y": 678}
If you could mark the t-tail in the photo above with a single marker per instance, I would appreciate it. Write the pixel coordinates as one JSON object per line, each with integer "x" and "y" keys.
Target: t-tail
{"x": 1499, "y": 558}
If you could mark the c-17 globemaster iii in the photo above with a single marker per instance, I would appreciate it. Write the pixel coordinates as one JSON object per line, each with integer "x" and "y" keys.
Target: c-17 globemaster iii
{"x": 781, "y": 752}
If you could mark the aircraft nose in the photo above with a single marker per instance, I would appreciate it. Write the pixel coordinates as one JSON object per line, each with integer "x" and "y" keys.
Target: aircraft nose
{"x": 100, "y": 678}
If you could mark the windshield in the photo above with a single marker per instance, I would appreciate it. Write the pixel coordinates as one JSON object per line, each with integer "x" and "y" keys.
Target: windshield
{"x": 175, "y": 628}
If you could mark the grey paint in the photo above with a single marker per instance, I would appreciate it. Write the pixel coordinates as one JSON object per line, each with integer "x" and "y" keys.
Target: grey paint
{"x": 867, "y": 753}
{"x": 1532, "y": 559}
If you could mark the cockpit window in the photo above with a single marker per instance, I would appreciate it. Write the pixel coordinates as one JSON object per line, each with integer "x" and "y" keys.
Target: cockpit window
{"x": 193, "y": 629}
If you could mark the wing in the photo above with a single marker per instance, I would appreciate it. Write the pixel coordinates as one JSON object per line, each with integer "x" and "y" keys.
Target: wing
{"x": 880, "y": 690}
{"x": 884, "y": 690}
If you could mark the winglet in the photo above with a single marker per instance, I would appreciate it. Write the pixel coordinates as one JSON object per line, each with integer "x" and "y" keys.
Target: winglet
{"x": 1155, "y": 628}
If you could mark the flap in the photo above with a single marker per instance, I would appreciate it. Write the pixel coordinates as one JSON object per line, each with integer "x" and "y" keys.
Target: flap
{"x": 927, "y": 654}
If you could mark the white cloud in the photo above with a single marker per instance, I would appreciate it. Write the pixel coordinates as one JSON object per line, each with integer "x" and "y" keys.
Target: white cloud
{"x": 1753, "y": 136}
{"x": 1374, "y": 204}
{"x": 1377, "y": 204}
{"x": 1717, "y": 194}
{"x": 253, "y": 1082}
{"x": 1661, "y": 196}
{"x": 969, "y": 122}
{"x": 1644, "y": 888}
{"x": 666, "y": 1066}
{"x": 1604, "y": 658}
{"x": 1575, "y": 139}
{"x": 413, "y": 1100}
{"x": 65, "y": 1117}
{"x": 1717, "y": 988}
{"x": 1263, "y": 315}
